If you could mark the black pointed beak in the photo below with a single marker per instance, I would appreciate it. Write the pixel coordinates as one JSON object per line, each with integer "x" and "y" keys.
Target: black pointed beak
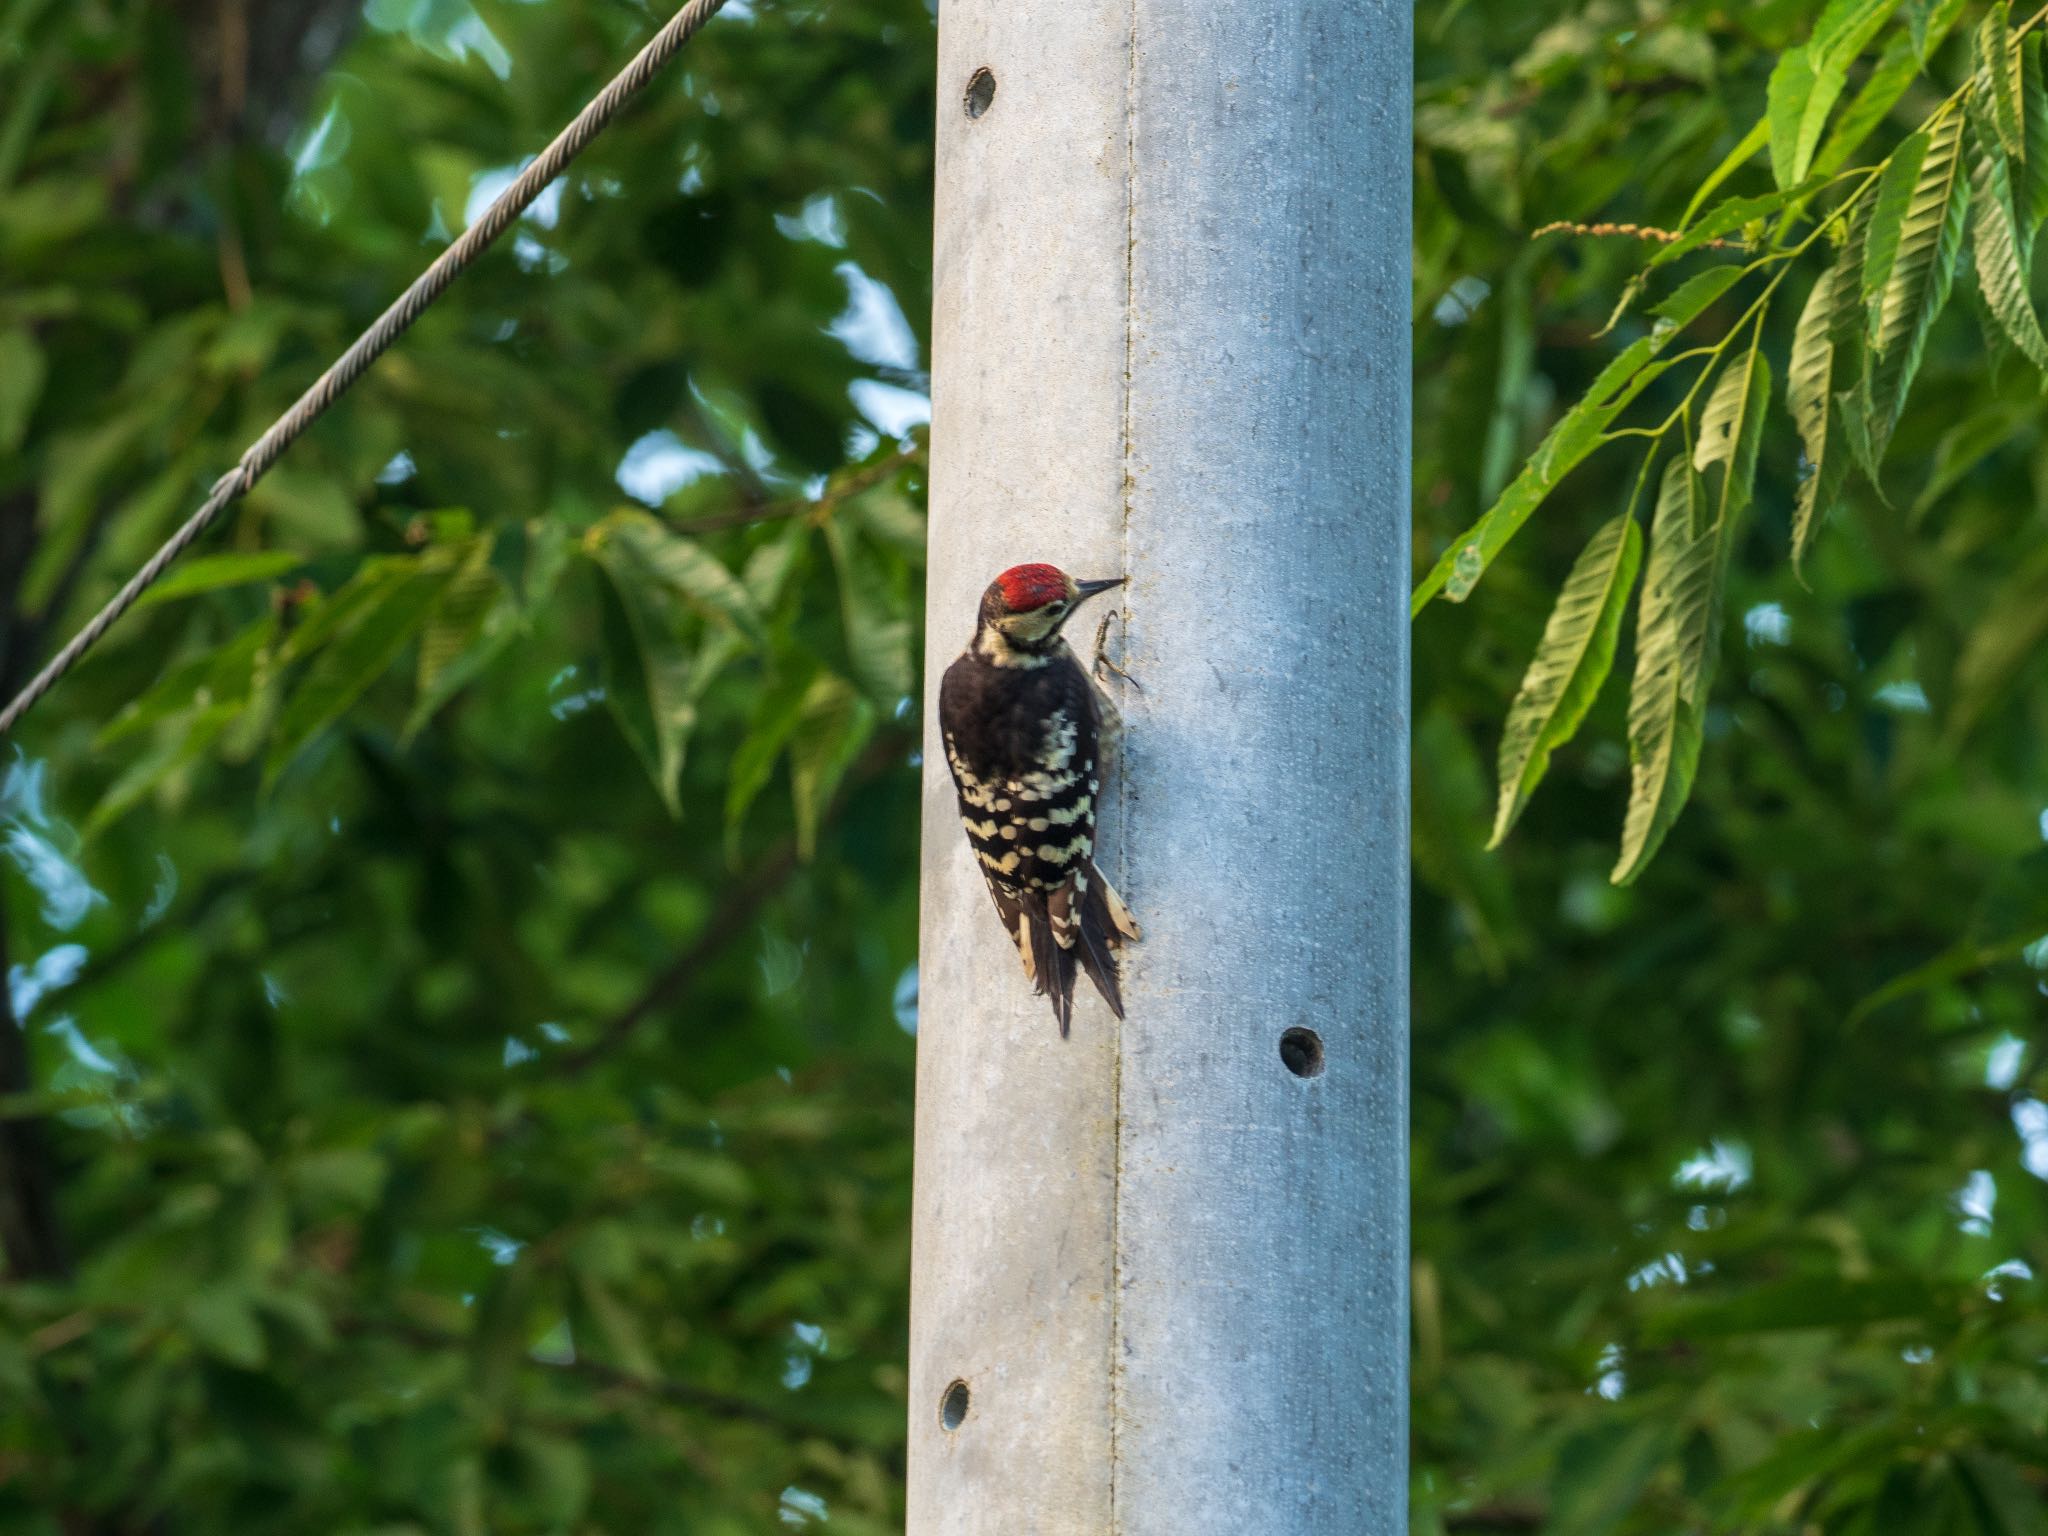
{"x": 1084, "y": 590}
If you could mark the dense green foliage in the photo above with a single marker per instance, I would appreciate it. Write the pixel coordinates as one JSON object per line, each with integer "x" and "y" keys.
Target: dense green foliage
{"x": 1729, "y": 1198}
{"x": 462, "y": 933}
{"x": 466, "y": 1112}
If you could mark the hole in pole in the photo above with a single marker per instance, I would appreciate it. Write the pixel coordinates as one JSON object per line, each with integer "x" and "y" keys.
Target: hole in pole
{"x": 953, "y": 1405}
{"x": 981, "y": 90}
{"x": 1302, "y": 1051}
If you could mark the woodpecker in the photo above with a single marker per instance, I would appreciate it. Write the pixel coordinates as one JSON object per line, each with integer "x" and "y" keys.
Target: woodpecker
{"x": 1025, "y": 738}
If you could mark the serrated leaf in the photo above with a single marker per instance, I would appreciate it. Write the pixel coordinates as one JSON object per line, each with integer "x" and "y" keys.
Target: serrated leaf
{"x": 1888, "y": 207}
{"x": 23, "y": 368}
{"x": 212, "y": 573}
{"x": 1785, "y": 103}
{"x": 1997, "y": 78}
{"x": 647, "y": 671}
{"x": 1930, "y": 22}
{"x": 322, "y": 617}
{"x": 2001, "y": 275}
{"x": 684, "y": 565}
{"x": 1577, "y": 433}
{"x": 1846, "y": 27}
{"x": 1889, "y": 79}
{"x": 834, "y": 725}
{"x": 1930, "y": 236}
{"x": 2030, "y": 192}
{"x": 1731, "y": 431}
{"x": 379, "y": 628}
{"x": 1825, "y": 348}
{"x": 1665, "y": 711}
{"x": 1726, "y": 218}
{"x": 1852, "y": 409}
{"x": 1571, "y": 663}
{"x": 473, "y": 590}
{"x": 874, "y": 620}
{"x": 1692, "y": 297}
{"x": 1807, "y": 83}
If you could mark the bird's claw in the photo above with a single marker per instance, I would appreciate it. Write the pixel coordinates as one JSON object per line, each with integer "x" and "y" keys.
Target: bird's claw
{"x": 1102, "y": 662}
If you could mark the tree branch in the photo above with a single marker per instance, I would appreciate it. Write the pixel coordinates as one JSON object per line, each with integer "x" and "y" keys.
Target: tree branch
{"x": 734, "y": 916}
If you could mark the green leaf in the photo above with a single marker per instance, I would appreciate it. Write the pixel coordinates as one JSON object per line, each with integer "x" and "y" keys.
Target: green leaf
{"x": 1577, "y": 433}
{"x": 1745, "y": 149}
{"x": 1961, "y": 959}
{"x": 1809, "y": 1301}
{"x": 222, "y": 1322}
{"x": 173, "y": 755}
{"x": 2030, "y": 192}
{"x": 1889, "y": 204}
{"x": 322, "y": 618}
{"x": 1826, "y": 346}
{"x": 753, "y": 762}
{"x": 875, "y": 621}
{"x": 2009, "y": 631}
{"x": 221, "y": 674}
{"x": 1731, "y": 430}
{"x": 380, "y": 627}
{"x": 1727, "y": 218}
{"x": 1889, "y": 79}
{"x": 1602, "y": 1472}
{"x": 620, "y": 1327}
{"x": 2001, "y": 274}
{"x": 1846, "y": 27}
{"x": 1930, "y": 22}
{"x": 1673, "y": 621}
{"x": 211, "y": 573}
{"x": 834, "y": 725}
{"x": 1448, "y": 819}
{"x": 1571, "y": 663}
{"x": 648, "y": 672}
{"x": 23, "y": 368}
{"x": 1998, "y": 78}
{"x": 1792, "y": 87}
{"x": 1692, "y": 297}
{"x": 467, "y": 600}
{"x": 682, "y": 564}
{"x": 2006, "y": 1505}
{"x": 1807, "y": 83}
{"x": 1929, "y": 238}
{"x": 554, "y": 1479}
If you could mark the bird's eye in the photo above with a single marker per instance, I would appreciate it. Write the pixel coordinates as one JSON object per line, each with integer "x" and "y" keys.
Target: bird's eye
{"x": 1056, "y": 609}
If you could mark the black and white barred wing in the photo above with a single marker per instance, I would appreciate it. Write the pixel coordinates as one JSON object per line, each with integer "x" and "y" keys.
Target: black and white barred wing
{"x": 1031, "y": 824}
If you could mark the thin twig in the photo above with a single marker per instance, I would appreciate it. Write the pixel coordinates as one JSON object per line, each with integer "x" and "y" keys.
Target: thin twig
{"x": 738, "y": 907}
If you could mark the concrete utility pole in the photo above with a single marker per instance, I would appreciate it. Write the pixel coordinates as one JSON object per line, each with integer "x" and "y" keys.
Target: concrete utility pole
{"x": 1160, "y": 1270}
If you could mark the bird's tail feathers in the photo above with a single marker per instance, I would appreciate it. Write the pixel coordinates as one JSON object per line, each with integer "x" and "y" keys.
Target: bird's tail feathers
{"x": 1054, "y": 945}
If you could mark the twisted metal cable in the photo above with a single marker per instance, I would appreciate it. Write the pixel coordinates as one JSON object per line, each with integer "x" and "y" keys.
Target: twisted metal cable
{"x": 386, "y": 329}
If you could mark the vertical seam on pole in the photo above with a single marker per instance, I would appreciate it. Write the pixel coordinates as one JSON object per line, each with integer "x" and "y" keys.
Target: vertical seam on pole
{"x": 1116, "y": 1247}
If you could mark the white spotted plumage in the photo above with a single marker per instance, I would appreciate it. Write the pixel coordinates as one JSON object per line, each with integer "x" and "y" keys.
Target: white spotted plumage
{"x": 1022, "y": 727}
